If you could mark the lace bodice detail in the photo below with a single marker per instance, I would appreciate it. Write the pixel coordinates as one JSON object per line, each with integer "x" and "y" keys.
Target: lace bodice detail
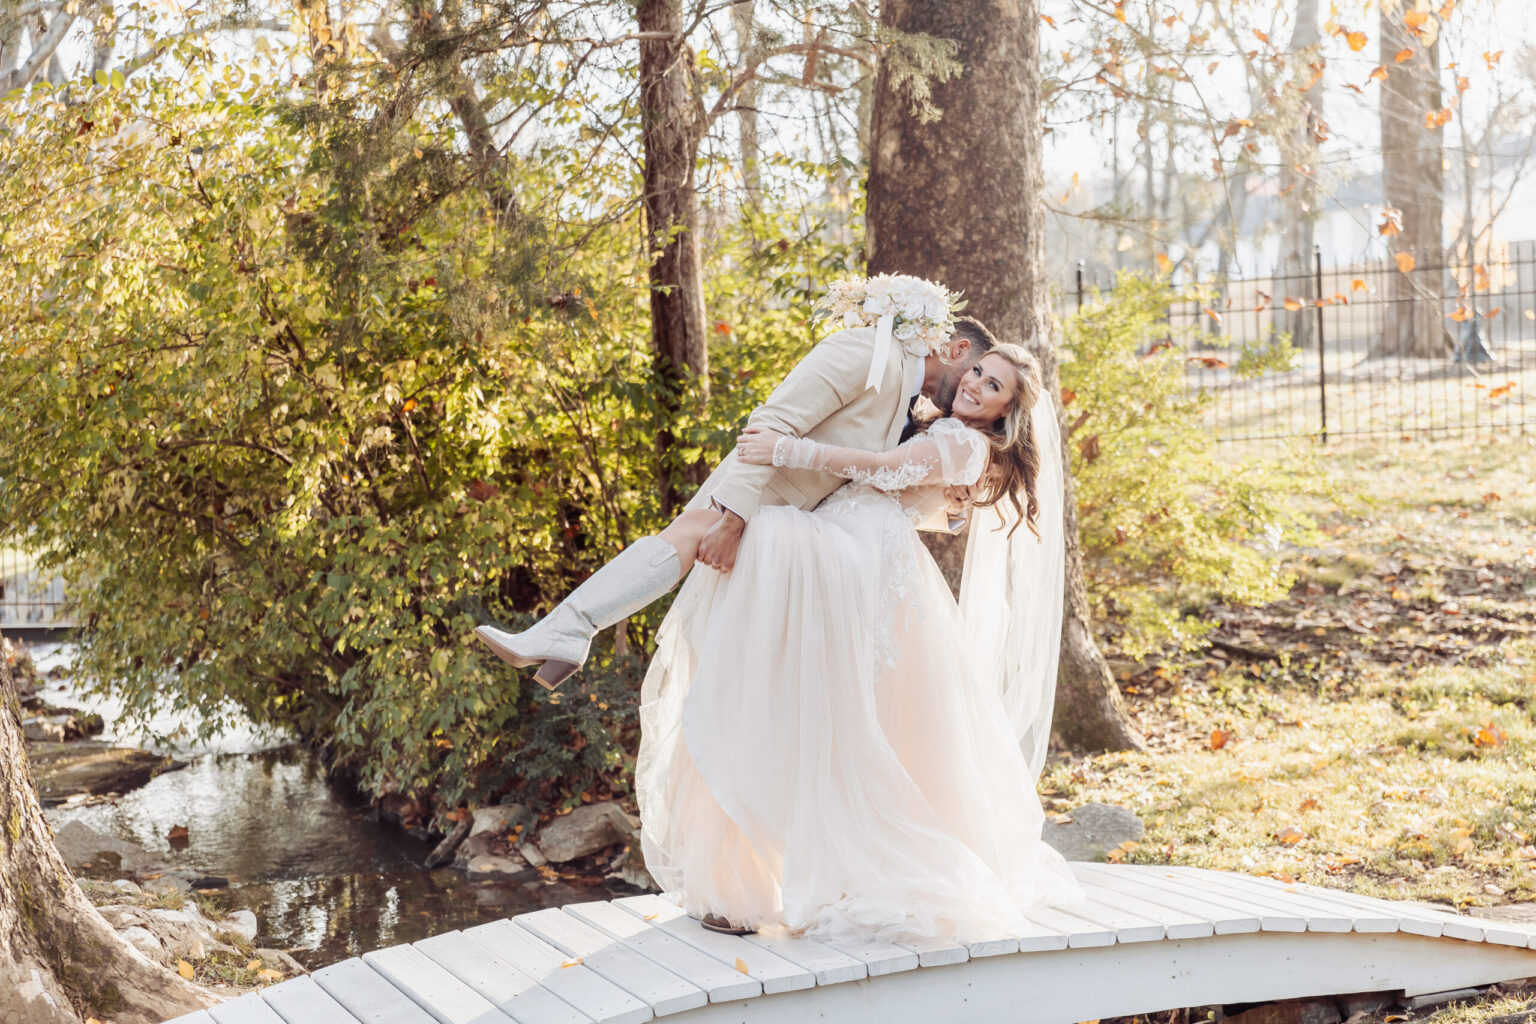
{"x": 949, "y": 452}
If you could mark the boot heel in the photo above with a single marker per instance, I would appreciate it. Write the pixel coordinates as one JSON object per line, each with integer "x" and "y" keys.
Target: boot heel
{"x": 552, "y": 673}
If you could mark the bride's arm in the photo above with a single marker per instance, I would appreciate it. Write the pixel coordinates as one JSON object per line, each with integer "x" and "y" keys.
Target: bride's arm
{"x": 943, "y": 456}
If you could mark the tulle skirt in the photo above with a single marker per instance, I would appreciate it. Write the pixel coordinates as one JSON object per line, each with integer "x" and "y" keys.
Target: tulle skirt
{"x": 816, "y": 752}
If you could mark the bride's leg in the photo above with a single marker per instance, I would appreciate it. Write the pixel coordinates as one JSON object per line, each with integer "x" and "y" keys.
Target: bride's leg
{"x": 640, "y": 574}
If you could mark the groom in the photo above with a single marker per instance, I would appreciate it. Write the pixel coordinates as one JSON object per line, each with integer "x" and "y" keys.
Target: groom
{"x": 826, "y": 399}
{"x": 845, "y": 392}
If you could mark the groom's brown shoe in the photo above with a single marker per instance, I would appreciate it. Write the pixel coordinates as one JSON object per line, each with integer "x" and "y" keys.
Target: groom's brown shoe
{"x": 716, "y": 923}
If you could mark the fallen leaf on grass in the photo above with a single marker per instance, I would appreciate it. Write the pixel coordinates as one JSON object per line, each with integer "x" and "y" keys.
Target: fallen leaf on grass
{"x": 1489, "y": 735}
{"x": 253, "y": 965}
{"x": 1290, "y": 836}
{"x": 269, "y": 975}
{"x": 1219, "y": 738}
{"x": 184, "y": 969}
{"x": 1311, "y": 803}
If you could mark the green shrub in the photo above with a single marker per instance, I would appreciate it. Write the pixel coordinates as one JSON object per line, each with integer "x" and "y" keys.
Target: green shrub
{"x": 295, "y": 402}
{"x": 1168, "y": 521}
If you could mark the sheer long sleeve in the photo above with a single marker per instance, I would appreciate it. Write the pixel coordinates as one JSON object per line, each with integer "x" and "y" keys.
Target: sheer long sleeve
{"x": 949, "y": 453}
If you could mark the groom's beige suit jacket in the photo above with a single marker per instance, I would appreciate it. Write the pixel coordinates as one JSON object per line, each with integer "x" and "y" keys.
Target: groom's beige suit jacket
{"x": 823, "y": 398}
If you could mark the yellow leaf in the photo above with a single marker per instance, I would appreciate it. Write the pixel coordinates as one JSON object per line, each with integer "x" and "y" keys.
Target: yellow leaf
{"x": 650, "y": 917}
{"x": 1290, "y": 836}
{"x": 184, "y": 969}
{"x": 1356, "y": 40}
{"x": 1492, "y": 58}
{"x": 741, "y": 965}
{"x": 1405, "y": 261}
{"x": 1292, "y": 304}
{"x": 1415, "y": 20}
{"x": 1120, "y": 11}
{"x": 269, "y": 975}
{"x": 572, "y": 963}
{"x": 1358, "y": 284}
{"x": 1379, "y": 74}
{"x": 1164, "y": 262}
{"x": 1406, "y": 53}
{"x": 253, "y": 965}
{"x": 1461, "y": 315}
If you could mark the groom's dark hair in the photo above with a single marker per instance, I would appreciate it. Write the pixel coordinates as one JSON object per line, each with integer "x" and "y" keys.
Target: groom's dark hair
{"x": 975, "y": 332}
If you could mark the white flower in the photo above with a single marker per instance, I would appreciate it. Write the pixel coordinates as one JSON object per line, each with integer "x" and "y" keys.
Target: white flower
{"x": 906, "y": 331}
{"x": 936, "y": 308}
{"x": 879, "y": 305}
{"x": 853, "y": 318}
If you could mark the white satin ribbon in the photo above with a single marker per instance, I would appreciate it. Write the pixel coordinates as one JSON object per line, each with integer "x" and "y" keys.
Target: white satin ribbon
{"x": 882, "y": 354}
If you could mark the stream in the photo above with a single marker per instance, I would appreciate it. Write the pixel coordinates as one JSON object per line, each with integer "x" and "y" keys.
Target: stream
{"x": 325, "y": 878}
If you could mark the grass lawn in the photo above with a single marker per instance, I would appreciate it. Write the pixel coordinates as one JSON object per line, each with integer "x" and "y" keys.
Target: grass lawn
{"x": 1375, "y": 731}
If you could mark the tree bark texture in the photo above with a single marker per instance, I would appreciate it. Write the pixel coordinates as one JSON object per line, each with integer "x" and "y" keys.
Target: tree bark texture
{"x": 670, "y": 128}
{"x": 961, "y": 201}
{"x": 1413, "y": 182}
{"x": 1299, "y": 176}
{"x": 742, "y": 21}
{"x": 59, "y": 961}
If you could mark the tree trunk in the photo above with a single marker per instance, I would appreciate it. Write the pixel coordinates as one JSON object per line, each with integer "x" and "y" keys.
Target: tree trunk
{"x": 1298, "y": 177}
{"x": 961, "y": 201}
{"x": 1413, "y": 181}
{"x": 59, "y": 961}
{"x": 670, "y": 133}
{"x": 742, "y": 15}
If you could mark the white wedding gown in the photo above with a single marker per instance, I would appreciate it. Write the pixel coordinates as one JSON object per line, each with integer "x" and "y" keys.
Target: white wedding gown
{"x": 817, "y": 750}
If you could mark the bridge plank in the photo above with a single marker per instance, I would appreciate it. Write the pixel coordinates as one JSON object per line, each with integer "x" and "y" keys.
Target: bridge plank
{"x": 1080, "y": 933}
{"x": 247, "y": 1009}
{"x": 1273, "y": 917}
{"x": 1323, "y": 915}
{"x": 300, "y": 1001}
{"x": 195, "y": 1017}
{"x": 368, "y": 995}
{"x": 665, "y": 991}
{"x": 722, "y": 982}
{"x": 830, "y": 966}
{"x": 433, "y": 988}
{"x": 774, "y": 973}
{"x": 510, "y": 990}
{"x": 880, "y": 958}
{"x": 1225, "y": 919}
{"x": 579, "y": 985}
{"x": 1175, "y": 923}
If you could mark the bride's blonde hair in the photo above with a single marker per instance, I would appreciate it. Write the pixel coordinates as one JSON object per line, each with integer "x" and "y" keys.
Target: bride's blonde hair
{"x": 1015, "y": 463}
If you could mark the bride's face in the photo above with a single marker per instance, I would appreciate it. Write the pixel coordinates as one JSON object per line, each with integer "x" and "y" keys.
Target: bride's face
{"x": 986, "y": 392}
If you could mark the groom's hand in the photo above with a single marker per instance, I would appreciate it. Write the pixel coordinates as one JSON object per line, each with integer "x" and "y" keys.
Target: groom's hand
{"x": 718, "y": 547}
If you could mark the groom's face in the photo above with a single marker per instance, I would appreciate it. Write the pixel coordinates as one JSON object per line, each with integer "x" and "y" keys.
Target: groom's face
{"x": 961, "y": 357}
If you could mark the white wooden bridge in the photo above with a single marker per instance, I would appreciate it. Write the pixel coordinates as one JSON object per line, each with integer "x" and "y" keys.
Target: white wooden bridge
{"x": 1147, "y": 939}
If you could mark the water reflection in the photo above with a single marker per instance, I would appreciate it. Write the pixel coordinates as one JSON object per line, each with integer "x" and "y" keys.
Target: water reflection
{"x": 328, "y": 919}
{"x": 325, "y": 878}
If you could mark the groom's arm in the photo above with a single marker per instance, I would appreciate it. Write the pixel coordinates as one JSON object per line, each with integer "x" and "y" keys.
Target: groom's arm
{"x": 830, "y": 376}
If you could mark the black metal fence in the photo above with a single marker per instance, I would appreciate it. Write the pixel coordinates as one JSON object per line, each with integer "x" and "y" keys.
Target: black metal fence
{"x": 1401, "y": 348}
{"x": 29, "y": 599}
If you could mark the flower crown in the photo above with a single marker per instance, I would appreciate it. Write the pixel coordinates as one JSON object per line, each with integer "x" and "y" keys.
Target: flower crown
{"x": 922, "y": 312}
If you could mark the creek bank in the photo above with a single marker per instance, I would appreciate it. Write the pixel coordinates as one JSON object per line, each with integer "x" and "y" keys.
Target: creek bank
{"x": 598, "y": 841}
{"x": 66, "y": 761}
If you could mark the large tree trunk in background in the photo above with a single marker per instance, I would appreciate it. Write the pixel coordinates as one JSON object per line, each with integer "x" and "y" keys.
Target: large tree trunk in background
{"x": 961, "y": 201}
{"x": 670, "y": 134}
{"x": 59, "y": 961}
{"x": 1298, "y": 177}
{"x": 1413, "y": 181}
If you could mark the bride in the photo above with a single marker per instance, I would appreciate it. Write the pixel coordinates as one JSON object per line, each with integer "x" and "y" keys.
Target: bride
{"x": 829, "y": 742}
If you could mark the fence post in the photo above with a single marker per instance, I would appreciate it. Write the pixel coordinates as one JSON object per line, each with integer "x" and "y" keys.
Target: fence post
{"x": 1080, "y": 284}
{"x": 1322, "y": 359}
